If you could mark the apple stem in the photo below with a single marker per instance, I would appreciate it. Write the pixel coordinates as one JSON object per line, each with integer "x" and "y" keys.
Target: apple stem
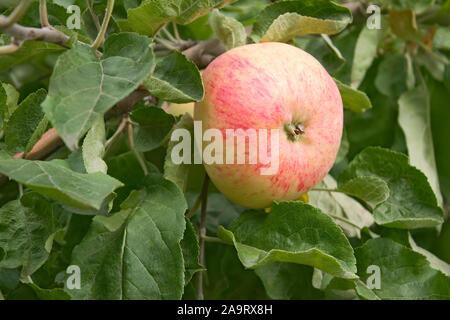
{"x": 294, "y": 131}
{"x": 201, "y": 260}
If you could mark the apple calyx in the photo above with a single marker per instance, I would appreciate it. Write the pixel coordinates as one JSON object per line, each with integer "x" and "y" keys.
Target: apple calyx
{"x": 294, "y": 131}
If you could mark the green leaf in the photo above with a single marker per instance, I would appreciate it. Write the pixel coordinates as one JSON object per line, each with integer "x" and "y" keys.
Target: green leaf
{"x": 227, "y": 278}
{"x": 220, "y": 211}
{"x": 152, "y": 15}
{"x": 371, "y": 189}
{"x": 439, "y": 113}
{"x": 49, "y": 294}
{"x": 397, "y": 235}
{"x": 176, "y": 79}
{"x": 414, "y": 119}
{"x": 3, "y": 99}
{"x": 441, "y": 38}
{"x": 365, "y": 52}
{"x": 198, "y": 29}
{"x": 353, "y": 99}
{"x": 76, "y": 229}
{"x": 339, "y": 205}
{"x": 88, "y": 26}
{"x": 142, "y": 259}
{"x": 83, "y": 191}
{"x": 12, "y": 98}
{"x": 83, "y": 87}
{"x": 29, "y": 51}
{"x": 9, "y": 280}
{"x": 405, "y": 274}
{"x": 346, "y": 289}
{"x": 126, "y": 168}
{"x": 441, "y": 247}
{"x": 245, "y": 11}
{"x": 114, "y": 222}
{"x": 178, "y": 173}
{"x": 411, "y": 203}
{"x": 27, "y": 228}
{"x": 434, "y": 261}
{"x": 338, "y": 288}
{"x": 292, "y": 232}
{"x": 27, "y": 123}
{"x": 392, "y": 75}
{"x": 345, "y": 42}
{"x": 323, "y": 49}
{"x": 343, "y": 148}
{"x": 230, "y": 31}
{"x": 434, "y": 62}
{"x": 288, "y": 281}
{"x": 154, "y": 127}
{"x": 410, "y": 75}
{"x": 284, "y": 20}
{"x": 57, "y": 15}
{"x": 377, "y": 126}
{"x": 74, "y": 161}
{"x": 190, "y": 248}
{"x": 364, "y": 292}
{"x": 94, "y": 148}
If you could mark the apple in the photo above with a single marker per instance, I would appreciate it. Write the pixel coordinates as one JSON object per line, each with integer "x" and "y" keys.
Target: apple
{"x": 272, "y": 86}
{"x": 177, "y": 109}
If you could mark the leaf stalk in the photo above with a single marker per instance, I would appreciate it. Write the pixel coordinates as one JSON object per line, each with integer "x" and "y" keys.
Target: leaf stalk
{"x": 204, "y": 197}
{"x": 101, "y": 35}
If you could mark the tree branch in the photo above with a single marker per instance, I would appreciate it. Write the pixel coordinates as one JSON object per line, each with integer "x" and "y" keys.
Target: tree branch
{"x": 9, "y": 48}
{"x": 125, "y": 105}
{"x": 43, "y": 13}
{"x": 204, "y": 52}
{"x": 48, "y": 143}
{"x": 21, "y": 33}
{"x": 16, "y": 14}
{"x": 181, "y": 45}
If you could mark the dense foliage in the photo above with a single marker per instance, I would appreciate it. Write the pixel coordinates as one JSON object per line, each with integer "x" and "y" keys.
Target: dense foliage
{"x": 88, "y": 186}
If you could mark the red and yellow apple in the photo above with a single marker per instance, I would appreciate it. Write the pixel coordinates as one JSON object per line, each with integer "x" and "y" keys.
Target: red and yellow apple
{"x": 272, "y": 86}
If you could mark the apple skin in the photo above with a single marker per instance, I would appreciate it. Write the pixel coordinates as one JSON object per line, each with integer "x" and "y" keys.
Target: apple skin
{"x": 178, "y": 109}
{"x": 267, "y": 86}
